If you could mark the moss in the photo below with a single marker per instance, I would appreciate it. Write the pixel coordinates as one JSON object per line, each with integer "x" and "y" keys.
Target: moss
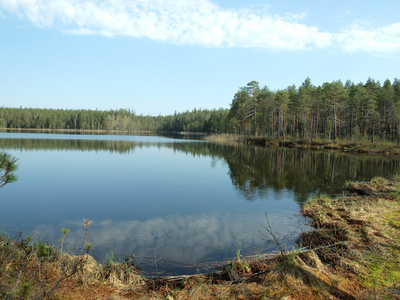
{"x": 394, "y": 223}
{"x": 382, "y": 271}
{"x": 383, "y": 267}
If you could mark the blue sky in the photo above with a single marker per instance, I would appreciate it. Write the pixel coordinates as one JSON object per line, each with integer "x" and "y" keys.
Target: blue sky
{"x": 161, "y": 56}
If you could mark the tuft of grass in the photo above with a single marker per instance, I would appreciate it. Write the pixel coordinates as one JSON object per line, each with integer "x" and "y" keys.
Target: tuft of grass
{"x": 394, "y": 223}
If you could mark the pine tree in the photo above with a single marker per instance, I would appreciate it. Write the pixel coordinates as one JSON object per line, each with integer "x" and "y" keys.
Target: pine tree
{"x": 8, "y": 165}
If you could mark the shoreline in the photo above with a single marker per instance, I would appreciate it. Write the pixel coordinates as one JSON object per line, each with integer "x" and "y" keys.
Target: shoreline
{"x": 384, "y": 148}
{"x": 364, "y": 147}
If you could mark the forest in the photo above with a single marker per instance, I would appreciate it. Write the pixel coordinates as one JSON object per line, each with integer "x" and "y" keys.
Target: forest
{"x": 334, "y": 110}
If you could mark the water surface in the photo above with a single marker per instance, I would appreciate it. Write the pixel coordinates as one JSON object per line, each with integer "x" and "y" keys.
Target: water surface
{"x": 178, "y": 205}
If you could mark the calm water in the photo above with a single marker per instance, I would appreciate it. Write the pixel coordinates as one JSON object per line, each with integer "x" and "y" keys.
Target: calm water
{"x": 178, "y": 205}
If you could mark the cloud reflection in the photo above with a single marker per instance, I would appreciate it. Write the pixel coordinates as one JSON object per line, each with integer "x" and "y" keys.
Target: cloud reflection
{"x": 189, "y": 239}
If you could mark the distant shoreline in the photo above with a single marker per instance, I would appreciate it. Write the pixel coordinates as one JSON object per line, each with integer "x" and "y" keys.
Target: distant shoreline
{"x": 363, "y": 147}
{"x": 72, "y": 130}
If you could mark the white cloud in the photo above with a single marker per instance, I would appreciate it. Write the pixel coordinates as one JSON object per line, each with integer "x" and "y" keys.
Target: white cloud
{"x": 382, "y": 40}
{"x": 199, "y": 22}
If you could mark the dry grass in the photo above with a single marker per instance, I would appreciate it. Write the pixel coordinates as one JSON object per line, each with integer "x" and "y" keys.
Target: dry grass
{"x": 25, "y": 274}
{"x": 223, "y": 138}
{"x": 364, "y": 235}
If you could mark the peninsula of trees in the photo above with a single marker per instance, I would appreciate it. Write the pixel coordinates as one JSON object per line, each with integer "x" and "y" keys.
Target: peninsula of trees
{"x": 330, "y": 111}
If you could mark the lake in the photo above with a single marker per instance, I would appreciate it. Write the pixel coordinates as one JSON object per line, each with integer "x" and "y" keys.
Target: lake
{"x": 181, "y": 206}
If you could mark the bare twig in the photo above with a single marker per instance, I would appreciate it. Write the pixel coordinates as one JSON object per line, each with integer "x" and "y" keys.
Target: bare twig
{"x": 298, "y": 222}
{"x": 40, "y": 277}
{"x": 273, "y": 235}
{"x": 19, "y": 276}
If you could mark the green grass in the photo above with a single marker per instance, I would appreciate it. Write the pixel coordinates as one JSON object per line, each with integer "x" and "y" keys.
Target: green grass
{"x": 382, "y": 270}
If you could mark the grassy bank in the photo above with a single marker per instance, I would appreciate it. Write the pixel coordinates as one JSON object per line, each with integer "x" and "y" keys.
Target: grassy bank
{"x": 358, "y": 236}
{"x": 352, "y": 253}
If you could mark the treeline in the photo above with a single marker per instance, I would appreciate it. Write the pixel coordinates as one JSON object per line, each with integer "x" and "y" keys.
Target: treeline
{"x": 330, "y": 111}
{"x": 333, "y": 110}
{"x": 209, "y": 121}
{"x": 119, "y": 120}
{"x": 36, "y": 118}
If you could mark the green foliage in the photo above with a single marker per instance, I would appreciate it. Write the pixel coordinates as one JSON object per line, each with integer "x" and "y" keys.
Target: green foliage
{"x": 28, "y": 239}
{"x": 122, "y": 120}
{"x": 89, "y": 247}
{"x": 43, "y": 250}
{"x": 331, "y": 111}
{"x": 287, "y": 259}
{"x": 8, "y": 166}
{"x": 325, "y": 200}
{"x": 395, "y": 224}
{"x": 25, "y": 290}
{"x": 110, "y": 261}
